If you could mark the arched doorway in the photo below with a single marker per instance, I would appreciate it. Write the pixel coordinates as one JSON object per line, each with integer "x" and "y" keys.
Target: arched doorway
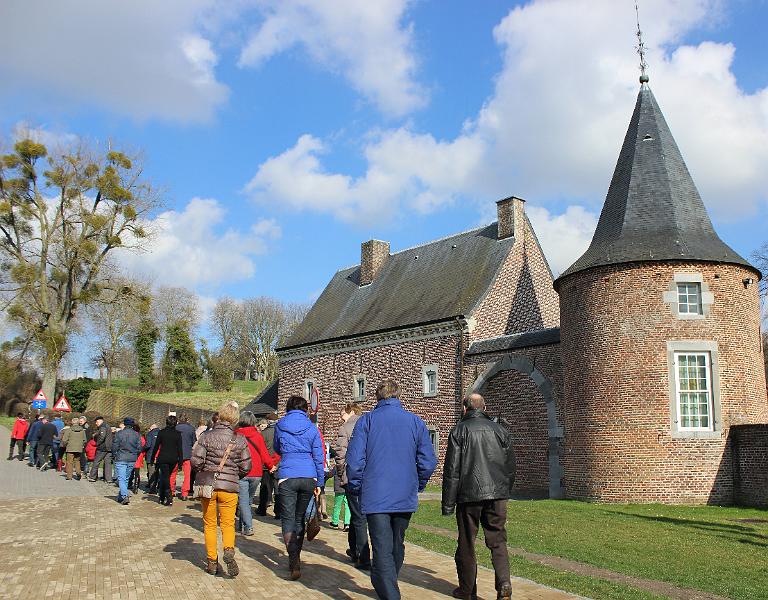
{"x": 545, "y": 388}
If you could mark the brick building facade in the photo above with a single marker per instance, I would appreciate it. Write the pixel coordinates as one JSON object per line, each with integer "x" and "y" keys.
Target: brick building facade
{"x": 619, "y": 381}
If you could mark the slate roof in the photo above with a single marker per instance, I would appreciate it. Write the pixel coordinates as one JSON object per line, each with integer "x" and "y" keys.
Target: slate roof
{"x": 266, "y": 401}
{"x": 434, "y": 282}
{"x": 540, "y": 337}
{"x": 653, "y": 211}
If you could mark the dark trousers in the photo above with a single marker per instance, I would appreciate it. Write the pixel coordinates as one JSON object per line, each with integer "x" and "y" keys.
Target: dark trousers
{"x": 358, "y": 530}
{"x": 43, "y": 450}
{"x": 294, "y": 494}
{"x": 22, "y": 446}
{"x": 492, "y": 515}
{"x": 153, "y": 473}
{"x": 266, "y": 490}
{"x": 33, "y": 452}
{"x": 164, "y": 490}
{"x": 388, "y": 543}
{"x": 101, "y": 455}
{"x": 83, "y": 462}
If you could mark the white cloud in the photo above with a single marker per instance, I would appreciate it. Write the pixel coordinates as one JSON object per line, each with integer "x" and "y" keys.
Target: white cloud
{"x": 563, "y": 237}
{"x": 552, "y": 129}
{"x": 366, "y": 41}
{"x": 142, "y": 58}
{"x": 51, "y": 139}
{"x": 187, "y": 249}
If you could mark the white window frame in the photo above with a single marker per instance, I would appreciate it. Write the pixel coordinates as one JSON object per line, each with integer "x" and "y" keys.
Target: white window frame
{"x": 708, "y": 391}
{"x": 356, "y": 388}
{"x": 672, "y": 296}
{"x": 425, "y": 370}
{"x": 694, "y": 347}
{"x": 434, "y": 437}
{"x": 684, "y": 307}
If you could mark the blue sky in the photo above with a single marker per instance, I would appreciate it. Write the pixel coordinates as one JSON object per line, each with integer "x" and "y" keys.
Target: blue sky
{"x": 287, "y": 132}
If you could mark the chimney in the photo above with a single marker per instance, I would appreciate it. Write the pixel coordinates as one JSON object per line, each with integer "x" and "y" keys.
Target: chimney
{"x": 373, "y": 255}
{"x": 511, "y": 215}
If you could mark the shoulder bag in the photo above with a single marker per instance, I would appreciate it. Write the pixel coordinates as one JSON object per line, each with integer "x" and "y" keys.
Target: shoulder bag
{"x": 206, "y": 491}
{"x": 313, "y": 524}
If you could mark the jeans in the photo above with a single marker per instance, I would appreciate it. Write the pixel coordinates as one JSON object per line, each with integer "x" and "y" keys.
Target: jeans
{"x": 388, "y": 543}
{"x": 358, "y": 531}
{"x": 55, "y": 454}
{"x": 492, "y": 515}
{"x": 186, "y": 485}
{"x": 33, "y": 452}
{"x": 123, "y": 470}
{"x": 248, "y": 486}
{"x": 265, "y": 493}
{"x": 226, "y": 503}
{"x": 294, "y": 494}
{"x": 101, "y": 455}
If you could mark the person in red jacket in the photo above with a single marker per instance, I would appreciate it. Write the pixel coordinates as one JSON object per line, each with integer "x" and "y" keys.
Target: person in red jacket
{"x": 18, "y": 436}
{"x": 90, "y": 454}
{"x": 134, "y": 481}
{"x": 259, "y": 458}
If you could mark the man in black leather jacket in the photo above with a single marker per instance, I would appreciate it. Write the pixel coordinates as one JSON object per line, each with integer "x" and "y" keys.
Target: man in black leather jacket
{"x": 477, "y": 482}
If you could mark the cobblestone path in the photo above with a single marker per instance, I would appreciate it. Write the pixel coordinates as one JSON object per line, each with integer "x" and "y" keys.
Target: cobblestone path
{"x": 71, "y": 540}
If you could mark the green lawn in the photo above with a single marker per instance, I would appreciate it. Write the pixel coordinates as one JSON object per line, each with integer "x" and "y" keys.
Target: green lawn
{"x": 7, "y": 421}
{"x": 203, "y": 397}
{"x": 714, "y": 549}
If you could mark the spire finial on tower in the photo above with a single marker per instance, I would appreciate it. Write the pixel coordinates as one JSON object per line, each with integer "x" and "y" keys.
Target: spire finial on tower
{"x": 641, "y": 48}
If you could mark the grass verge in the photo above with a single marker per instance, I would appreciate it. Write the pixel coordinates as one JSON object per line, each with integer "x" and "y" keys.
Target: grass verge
{"x": 720, "y": 550}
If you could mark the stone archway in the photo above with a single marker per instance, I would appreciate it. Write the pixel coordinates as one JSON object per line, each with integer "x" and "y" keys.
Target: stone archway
{"x": 544, "y": 384}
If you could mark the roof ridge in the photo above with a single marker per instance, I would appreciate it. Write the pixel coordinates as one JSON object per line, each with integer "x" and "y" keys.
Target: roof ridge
{"x": 442, "y": 239}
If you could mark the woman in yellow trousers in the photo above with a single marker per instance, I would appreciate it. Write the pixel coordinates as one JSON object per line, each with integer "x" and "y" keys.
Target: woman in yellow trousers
{"x": 221, "y": 458}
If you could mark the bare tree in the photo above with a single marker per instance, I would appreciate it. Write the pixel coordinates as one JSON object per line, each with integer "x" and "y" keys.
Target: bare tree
{"x": 61, "y": 216}
{"x": 113, "y": 321}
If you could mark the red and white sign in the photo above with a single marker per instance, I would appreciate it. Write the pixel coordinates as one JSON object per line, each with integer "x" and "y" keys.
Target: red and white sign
{"x": 40, "y": 396}
{"x": 62, "y": 404}
{"x": 314, "y": 400}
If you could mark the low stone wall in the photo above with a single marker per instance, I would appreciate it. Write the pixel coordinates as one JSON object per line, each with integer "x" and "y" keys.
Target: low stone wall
{"x": 750, "y": 464}
{"x": 114, "y": 406}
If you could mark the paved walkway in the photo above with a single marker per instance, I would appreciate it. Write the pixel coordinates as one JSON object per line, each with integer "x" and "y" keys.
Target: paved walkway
{"x": 70, "y": 540}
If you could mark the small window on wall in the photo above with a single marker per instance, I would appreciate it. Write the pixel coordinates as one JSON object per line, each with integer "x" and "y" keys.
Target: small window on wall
{"x": 358, "y": 389}
{"x": 434, "y": 436}
{"x": 309, "y": 386}
{"x": 694, "y": 391}
{"x": 429, "y": 380}
{"x": 689, "y": 299}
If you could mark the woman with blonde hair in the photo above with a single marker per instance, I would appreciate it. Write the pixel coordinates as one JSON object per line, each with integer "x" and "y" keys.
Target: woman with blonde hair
{"x": 221, "y": 459}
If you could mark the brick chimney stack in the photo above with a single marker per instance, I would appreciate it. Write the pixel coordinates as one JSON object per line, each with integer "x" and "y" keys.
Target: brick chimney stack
{"x": 373, "y": 255}
{"x": 511, "y": 213}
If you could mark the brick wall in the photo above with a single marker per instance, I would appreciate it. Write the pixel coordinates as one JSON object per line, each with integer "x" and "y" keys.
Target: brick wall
{"x": 750, "y": 464}
{"x": 334, "y": 376}
{"x": 522, "y": 297}
{"x": 615, "y": 326}
{"x": 514, "y": 396}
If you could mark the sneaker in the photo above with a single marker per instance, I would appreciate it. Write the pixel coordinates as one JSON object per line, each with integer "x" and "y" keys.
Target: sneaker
{"x": 248, "y": 531}
{"x": 345, "y": 528}
{"x": 125, "y": 501}
{"x": 505, "y": 593}
{"x": 229, "y": 560}
{"x": 334, "y": 525}
{"x": 92, "y": 480}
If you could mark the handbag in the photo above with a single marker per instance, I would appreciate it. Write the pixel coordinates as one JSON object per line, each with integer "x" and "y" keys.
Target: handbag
{"x": 206, "y": 490}
{"x": 313, "y": 524}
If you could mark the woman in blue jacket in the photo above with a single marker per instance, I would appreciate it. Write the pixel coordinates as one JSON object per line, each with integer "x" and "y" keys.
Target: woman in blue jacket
{"x": 300, "y": 474}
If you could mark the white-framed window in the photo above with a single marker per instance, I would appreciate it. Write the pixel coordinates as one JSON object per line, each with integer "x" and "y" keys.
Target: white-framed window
{"x": 689, "y": 298}
{"x": 434, "y": 436}
{"x": 429, "y": 377}
{"x": 694, "y": 391}
{"x": 358, "y": 388}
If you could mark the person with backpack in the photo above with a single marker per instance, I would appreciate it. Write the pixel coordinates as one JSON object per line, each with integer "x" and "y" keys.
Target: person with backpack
{"x": 48, "y": 433}
{"x": 72, "y": 444}
{"x": 260, "y": 457}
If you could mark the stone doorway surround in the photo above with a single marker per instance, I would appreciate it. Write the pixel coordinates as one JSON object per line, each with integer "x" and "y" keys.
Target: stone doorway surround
{"x": 510, "y": 362}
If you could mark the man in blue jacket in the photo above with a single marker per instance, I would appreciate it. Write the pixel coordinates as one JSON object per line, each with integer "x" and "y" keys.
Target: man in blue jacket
{"x": 126, "y": 447}
{"x": 33, "y": 437}
{"x": 389, "y": 460}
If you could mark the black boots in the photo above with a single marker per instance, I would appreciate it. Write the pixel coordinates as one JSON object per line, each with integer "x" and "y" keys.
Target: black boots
{"x": 293, "y": 544}
{"x": 229, "y": 560}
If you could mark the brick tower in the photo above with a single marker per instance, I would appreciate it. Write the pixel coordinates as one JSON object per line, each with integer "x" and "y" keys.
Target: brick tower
{"x": 660, "y": 330}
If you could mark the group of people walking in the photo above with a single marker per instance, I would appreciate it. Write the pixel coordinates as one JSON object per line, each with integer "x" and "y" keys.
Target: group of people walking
{"x": 382, "y": 460}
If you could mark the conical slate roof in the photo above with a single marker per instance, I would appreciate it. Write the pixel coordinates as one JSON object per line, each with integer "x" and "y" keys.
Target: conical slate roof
{"x": 653, "y": 211}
